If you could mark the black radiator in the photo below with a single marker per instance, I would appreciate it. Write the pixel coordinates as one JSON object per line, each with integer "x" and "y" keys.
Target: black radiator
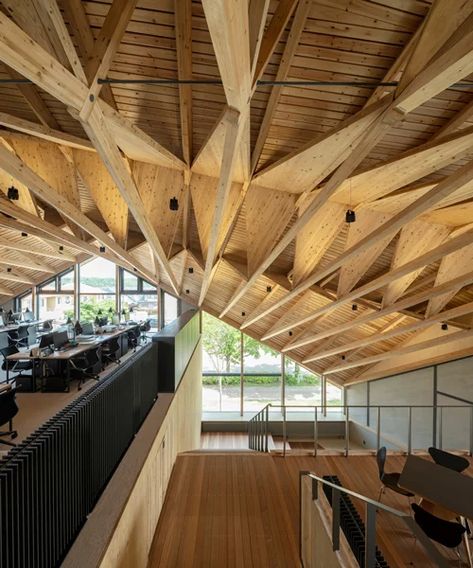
{"x": 51, "y": 481}
{"x": 352, "y": 525}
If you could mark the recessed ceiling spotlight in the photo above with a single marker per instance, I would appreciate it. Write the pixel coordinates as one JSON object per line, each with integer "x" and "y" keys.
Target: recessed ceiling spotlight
{"x": 444, "y": 326}
{"x": 290, "y": 334}
{"x": 191, "y": 270}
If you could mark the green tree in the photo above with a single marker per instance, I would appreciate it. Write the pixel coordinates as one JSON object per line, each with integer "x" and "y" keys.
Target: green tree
{"x": 222, "y": 344}
{"x": 89, "y": 310}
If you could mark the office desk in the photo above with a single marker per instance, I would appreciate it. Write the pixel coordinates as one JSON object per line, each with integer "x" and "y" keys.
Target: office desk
{"x": 67, "y": 354}
{"x": 438, "y": 484}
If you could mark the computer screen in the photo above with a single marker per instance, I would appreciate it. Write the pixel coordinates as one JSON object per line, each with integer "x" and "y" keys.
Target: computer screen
{"x": 46, "y": 340}
{"x": 103, "y": 321}
{"x": 60, "y": 338}
{"x": 2, "y": 322}
{"x": 28, "y": 316}
{"x": 15, "y": 317}
{"x": 87, "y": 327}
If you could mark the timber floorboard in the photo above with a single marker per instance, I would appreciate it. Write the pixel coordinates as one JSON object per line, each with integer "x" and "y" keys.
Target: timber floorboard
{"x": 242, "y": 510}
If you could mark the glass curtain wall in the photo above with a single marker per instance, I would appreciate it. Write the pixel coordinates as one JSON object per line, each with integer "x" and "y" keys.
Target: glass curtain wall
{"x": 138, "y": 298}
{"x": 236, "y": 365}
{"x": 56, "y": 298}
{"x": 171, "y": 308}
{"x": 25, "y": 302}
{"x": 97, "y": 279}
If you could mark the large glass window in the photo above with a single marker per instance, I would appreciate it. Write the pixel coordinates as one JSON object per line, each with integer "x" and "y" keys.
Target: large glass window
{"x": 25, "y": 302}
{"x": 170, "y": 308}
{"x": 97, "y": 289}
{"x": 302, "y": 387}
{"x": 220, "y": 365}
{"x": 56, "y": 298}
{"x": 138, "y": 300}
{"x": 262, "y": 375}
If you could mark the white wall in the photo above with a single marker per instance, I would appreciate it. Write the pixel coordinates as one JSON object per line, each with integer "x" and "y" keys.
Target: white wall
{"x": 417, "y": 388}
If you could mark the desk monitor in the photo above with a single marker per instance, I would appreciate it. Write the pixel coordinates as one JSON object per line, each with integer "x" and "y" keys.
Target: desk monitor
{"x": 87, "y": 327}
{"x": 45, "y": 340}
{"x": 15, "y": 317}
{"x": 28, "y": 316}
{"x": 103, "y": 321}
{"x": 60, "y": 338}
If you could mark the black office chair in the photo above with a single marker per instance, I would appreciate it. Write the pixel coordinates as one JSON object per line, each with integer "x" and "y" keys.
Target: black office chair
{"x": 144, "y": 328}
{"x": 110, "y": 351}
{"x": 8, "y": 409}
{"x": 446, "y": 533}
{"x": 389, "y": 480}
{"x": 82, "y": 367}
{"x": 451, "y": 461}
{"x": 134, "y": 338}
{"x": 47, "y": 326}
{"x": 19, "y": 337}
{"x": 14, "y": 366}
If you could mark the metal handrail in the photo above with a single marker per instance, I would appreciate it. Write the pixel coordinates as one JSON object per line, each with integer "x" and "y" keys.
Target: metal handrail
{"x": 372, "y": 508}
{"x": 259, "y": 439}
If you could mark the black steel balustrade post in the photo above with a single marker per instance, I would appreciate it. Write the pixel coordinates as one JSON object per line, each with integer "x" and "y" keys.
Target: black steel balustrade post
{"x": 335, "y": 519}
{"x": 370, "y": 536}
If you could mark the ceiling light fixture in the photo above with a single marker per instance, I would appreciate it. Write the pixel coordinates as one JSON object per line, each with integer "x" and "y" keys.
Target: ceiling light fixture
{"x": 191, "y": 270}
{"x": 444, "y": 326}
{"x": 13, "y": 194}
{"x": 354, "y": 307}
{"x": 350, "y": 215}
{"x": 173, "y": 204}
{"x": 102, "y": 249}
{"x": 268, "y": 288}
{"x": 24, "y": 234}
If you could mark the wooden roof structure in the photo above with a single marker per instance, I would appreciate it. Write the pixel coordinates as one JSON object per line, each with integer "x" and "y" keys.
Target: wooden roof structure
{"x": 267, "y": 120}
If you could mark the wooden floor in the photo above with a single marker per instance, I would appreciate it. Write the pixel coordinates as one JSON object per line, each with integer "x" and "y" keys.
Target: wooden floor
{"x": 242, "y": 510}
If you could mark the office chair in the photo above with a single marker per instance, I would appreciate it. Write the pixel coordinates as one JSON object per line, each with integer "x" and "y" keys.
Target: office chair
{"x": 388, "y": 480}
{"x": 83, "y": 367}
{"x": 110, "y": 351}
{"x": 451, "y": 461}
{"x": 446, "y": 533}
{"x": 14, "y": 366}
{"x": 133, "y": 338}
{"x": 144, "y": 328}
{"x": 19, "y": 337}
{"x": 47, "y": 326}
{"x": 8, "y": 409}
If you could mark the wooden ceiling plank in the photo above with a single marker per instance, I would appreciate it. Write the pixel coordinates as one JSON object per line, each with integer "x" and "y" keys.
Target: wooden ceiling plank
{"x": 229, "y": 30}
{"x": 290, "y": 48}
{"x": 449, "y": 66}
{"x": 359, "y": 151}
{"x": 257, "y": 16}
{"x": 457, "y": 121}
{"x": 105, "y": 48}
{"x": 230, "y": 153}
{"x": 303, "y": 169}
{"x": 19, "y": 170}
{"x": 437, "y": 341}
{"x": 267, "y": 214}
{"x": 272, "y": 35}
{"x": 51, "y": 8}
{"x": 416, "y": 238}
{"x": 455, "y": 181}
{"x": 354, "y": 269}
{"x": 439, "y": 24}
{"x": 433, "y": 255}
{"x": 26, "y": 261}
{"x": 386, "y": 334}
{"x": 105, "y": 193}
{"x": 14, "y": 276}
{"x": 79, "y": 24}
{"x": 44, "y": 132}
{"x": 36, "y": 250}
{"x": 183, "y": 26}
{"x": 100, "y": 135}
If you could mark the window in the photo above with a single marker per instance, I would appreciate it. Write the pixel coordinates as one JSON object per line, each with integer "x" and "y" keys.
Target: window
{"x": 171, "y": 308}
{"x": 97, "y": 288}
{"x": 24, "y": 302}
{"x": 220, "y": 365}
{"x": 138, "y": 299}
{"x": 302, "y": 387}
{"x": 262, "y": 375}
{"x": 56, "y": 298}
